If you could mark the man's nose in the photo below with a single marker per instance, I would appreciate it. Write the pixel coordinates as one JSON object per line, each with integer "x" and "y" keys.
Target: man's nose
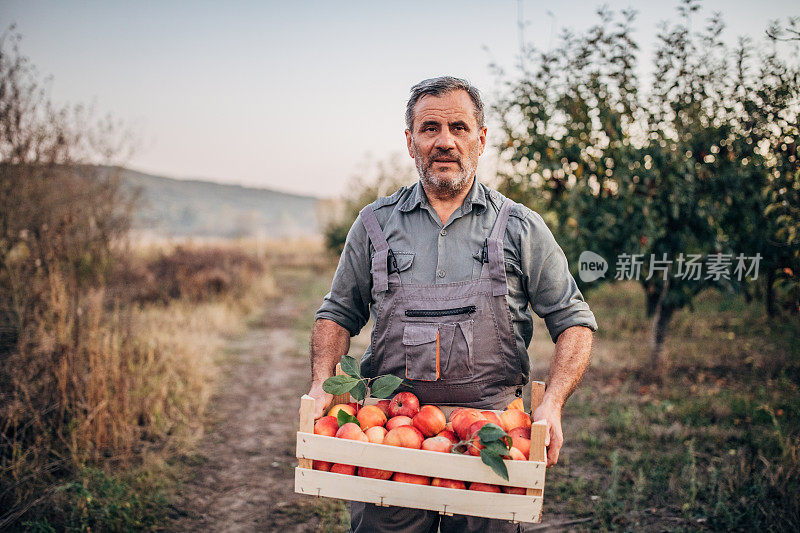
{"x": 445, "y": 140}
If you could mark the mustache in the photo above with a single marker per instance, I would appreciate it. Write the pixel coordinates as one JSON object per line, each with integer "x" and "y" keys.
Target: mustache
{"x": 446, "y": 158}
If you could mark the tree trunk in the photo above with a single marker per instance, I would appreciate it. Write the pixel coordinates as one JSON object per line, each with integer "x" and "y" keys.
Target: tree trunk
{"x": 662, "y": 313}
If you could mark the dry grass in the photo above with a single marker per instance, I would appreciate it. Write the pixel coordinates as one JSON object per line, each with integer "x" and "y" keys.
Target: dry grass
{"x": 118, "y": 379}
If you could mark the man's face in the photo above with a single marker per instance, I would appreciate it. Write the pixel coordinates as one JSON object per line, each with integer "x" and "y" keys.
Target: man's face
{"x": 446, "y": 141}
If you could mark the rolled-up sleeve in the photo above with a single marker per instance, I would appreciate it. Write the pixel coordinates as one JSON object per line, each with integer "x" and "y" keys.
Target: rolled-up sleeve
{"x": 348, "y": 302}
{"x": 552, "y": 290}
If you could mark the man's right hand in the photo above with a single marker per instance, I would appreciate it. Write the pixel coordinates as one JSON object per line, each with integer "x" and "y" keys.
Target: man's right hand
{"x": 322, "y": 399}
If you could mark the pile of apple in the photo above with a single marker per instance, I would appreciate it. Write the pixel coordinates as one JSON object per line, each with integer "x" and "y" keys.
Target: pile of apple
{"x": 402, "y": 422}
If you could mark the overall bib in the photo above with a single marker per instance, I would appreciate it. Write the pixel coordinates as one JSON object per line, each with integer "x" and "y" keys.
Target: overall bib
{"x": 453, "y": 343}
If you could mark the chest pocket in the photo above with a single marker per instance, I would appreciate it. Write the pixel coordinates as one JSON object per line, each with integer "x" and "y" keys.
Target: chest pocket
{"x": 404, "y": 261}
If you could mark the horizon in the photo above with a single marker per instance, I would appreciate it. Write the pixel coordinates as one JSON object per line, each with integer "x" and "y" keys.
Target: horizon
{"x": 277, "y": 97}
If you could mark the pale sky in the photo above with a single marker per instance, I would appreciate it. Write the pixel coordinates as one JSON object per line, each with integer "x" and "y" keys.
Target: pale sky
{"x": 293, "y": 95}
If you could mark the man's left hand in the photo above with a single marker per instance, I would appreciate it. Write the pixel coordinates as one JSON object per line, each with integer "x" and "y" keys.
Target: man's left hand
{"x": 554, "y": 438}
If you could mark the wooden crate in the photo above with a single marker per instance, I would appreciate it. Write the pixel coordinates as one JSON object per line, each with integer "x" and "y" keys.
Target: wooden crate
{"x": 513, "y": 507}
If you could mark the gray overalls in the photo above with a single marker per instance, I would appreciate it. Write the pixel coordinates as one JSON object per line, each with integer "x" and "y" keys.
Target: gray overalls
{"x": 454, "y": 344}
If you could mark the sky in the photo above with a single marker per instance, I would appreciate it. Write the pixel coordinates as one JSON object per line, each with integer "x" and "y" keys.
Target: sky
{"x": 297, "y": 95}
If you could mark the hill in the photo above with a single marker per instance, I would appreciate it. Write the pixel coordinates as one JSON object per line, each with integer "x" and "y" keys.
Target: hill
{"x": 193, "y": 208}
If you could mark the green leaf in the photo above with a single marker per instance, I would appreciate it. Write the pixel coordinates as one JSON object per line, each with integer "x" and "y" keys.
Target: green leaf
{"x": 359, "y": 392}
{"x": 490, "y": 432}
{"x": 343, "y": 417}
{"x": 497, "y": 447}
{"x": 350, "y": 366}
{"x": 384, "y": 386}
{"x": 339, "y": 384}
{"x": 495, "y": 462}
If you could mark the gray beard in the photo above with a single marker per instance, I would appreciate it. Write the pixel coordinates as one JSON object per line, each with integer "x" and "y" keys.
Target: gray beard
{"x": 444, "y": 187}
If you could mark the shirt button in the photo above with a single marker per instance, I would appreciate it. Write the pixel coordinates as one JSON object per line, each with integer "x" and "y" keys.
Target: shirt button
{"x": 443, "y": 232}
{"x": 440, "y": 273}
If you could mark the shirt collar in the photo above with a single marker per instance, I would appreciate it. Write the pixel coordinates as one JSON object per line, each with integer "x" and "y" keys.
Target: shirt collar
{"x": 475, "y": 198}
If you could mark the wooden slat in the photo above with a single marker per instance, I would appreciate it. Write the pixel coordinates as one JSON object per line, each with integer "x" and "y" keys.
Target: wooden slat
{"x": 529, "y": 474}
{"x": 537, "y": 440}
{"x": 306, "y": 422}
{"x": 340, "y": 398}
{"x": 513, "y": 507}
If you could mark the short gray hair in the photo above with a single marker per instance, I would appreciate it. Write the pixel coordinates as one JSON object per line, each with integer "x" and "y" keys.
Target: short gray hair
{"x": 438, "y": 87}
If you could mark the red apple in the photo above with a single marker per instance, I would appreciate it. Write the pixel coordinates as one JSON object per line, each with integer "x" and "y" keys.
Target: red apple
{"x": 327, "y": 425}
{"x": 448, "y": 483}
{"x": 513, "y": 490}
{"x": 322, "y": 465}
{"x": 514, "y": 418}
{"x": 346, "y": 407}
{"x": 374, "y": 473}
{"x": 383, "y": 405}
{"x": 355, "y": 407}
{"x": 519, "y": 441}
{"x": 397, "y": 421}
{"x": 411, "y": 478}
{"x": 430, "y": 420}
{"x": 369, "y": 416}
{"x": 351, "y": 431}
{"x": 515, "y": 455}
{"x": 448, "y": 434}
{"x": 376, "y": 434}
{"x": 437, "y": 444}
{"x": 404, "y": 404}
{"x": 521, "y": 432}
{"x": 463, "y": 420}
{"x": 404, "y": 436}
{"x": 476, "y": 447}
{"x": 484, "y": 487}
{"x": 338, "y": 468}
{"x": 492, "y": 417}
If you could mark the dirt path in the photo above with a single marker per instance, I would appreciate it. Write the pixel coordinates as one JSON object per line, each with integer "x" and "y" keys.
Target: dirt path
{"x": 245, "y": 481}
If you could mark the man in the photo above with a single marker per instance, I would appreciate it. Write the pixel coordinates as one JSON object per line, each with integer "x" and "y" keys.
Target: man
{"x": 446, "y": 269}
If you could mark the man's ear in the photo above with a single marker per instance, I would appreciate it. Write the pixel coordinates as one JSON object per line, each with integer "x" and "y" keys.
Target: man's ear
{"x": 410, "y": 143}
{"x": 482, "y": 139}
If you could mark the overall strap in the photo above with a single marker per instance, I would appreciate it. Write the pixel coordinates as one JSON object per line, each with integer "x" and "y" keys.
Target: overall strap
{"x": 494, "y": 248}
{"x": 380, "y": 261}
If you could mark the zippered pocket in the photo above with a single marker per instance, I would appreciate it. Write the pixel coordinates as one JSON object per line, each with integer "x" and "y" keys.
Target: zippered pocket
{"x": 433, "y": 313}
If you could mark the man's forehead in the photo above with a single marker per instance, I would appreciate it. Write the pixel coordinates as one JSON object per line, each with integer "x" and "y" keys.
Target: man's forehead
{"x": 455, "y": 105}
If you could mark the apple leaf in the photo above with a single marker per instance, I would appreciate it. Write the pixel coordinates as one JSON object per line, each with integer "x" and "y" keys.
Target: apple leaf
{"x": 490, "y": 432}
{"x": 350, "y": 366}
{"x": 343, "y": 417}
{"x": 497, "y": 447}
{"x": 339, "y": 384}
{"x": 494, "y": 460}
{"x": 359, "y": 392}
{"x": 384, "y": 386}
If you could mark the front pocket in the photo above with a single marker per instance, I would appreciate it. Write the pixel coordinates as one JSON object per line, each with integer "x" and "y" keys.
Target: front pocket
{"x": 456, "y": 360}
{"x": 434, "y": 351}
{"x": 421, "y": 343}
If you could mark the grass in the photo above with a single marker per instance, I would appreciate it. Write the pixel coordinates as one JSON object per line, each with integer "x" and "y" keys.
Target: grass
{"x": 716, "y": 446}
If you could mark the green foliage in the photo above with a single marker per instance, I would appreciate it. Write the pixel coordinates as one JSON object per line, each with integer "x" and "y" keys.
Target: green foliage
{"x": 343, "y": 417}
{"x": 358, "y": 386}
{"x": 703, "y": 161}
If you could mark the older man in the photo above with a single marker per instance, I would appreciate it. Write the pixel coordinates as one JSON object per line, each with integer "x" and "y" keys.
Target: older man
{"x": 447, "y": 269}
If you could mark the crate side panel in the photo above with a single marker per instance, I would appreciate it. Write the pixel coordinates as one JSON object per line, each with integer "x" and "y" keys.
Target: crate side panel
{"x": 528, "y": 474}
{"x": 519, "y": 508}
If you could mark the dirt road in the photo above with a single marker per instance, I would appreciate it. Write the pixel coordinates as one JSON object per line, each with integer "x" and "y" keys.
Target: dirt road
{"x": 245, "y": 479}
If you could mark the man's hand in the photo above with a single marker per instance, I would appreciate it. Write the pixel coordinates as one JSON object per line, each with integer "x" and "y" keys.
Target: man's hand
{"x": 554, "y": 438}
{"x": 329, "y": 341}
{"x": 571, "y": 357}
{"x": 321, "y": 399}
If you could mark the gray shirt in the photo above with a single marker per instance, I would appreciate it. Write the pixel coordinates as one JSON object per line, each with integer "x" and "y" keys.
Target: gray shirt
{"x": 429, "y": 253}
